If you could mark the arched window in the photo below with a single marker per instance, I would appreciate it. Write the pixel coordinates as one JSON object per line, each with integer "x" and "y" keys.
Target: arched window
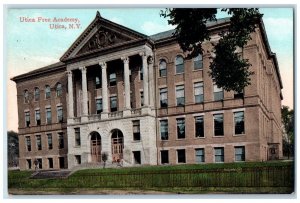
{"x": 26, "y": 96}
{"x": 162, "y": 68}
{"x": 36, "y": 94}
{"x": 58, "y": 90}
{"x": 47, "y": 92}
{"x": 179, "y": 64}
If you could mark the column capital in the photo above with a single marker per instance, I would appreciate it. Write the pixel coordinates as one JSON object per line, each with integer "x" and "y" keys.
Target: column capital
{"x": 143, "y": 54}
{"x": 83, "y": 69}
{"x": 150, "y": 59}
{"x": 125, "y": 59}
{"x": 69, "y": 73}
{"x": 102, "y": 64}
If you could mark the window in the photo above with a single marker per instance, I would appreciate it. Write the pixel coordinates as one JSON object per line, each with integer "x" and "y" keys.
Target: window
{"x": 142, "y": 98}
{"x": 239, "y": 153}
{"x": 58, "y": 90}
{"x": 50, "y": 162}
{"x": 181, "y": 155}
{"x": 40, "y": 163}
{"x": 218, "y": 93}
{"x": 77, "y": 137}
{"x": 163, "y": 92}
{"x": 198, "y": 62}
{"x": 200, "y": 157}
{"x": 48, "y": 116}
{"x": 137, "y": 157}
{"x": 28, "y": 163}
{"x": 136, "y": 130}
{"x": 198, "y": 91}
{"x": 164, "y": 154}
{"x": 219, "y": 154}
{"x": 60, "y": 114}
{"x": 164, "y": 130}
{"x": 39, "y": 142}
{"x": 180, "y": 128}
{"x": 180, "y": 95}
{"x": 239, "y": 127}
{"x": 26, "y": 96}
{"x": 179, "y": 64}
{"x": 27, "y": 118}
{"x": 61, "y": 162}
{"x": 37, "y": 117}
{"x": 113, "y": 104}
{"x": 238, "y": 95}
{"x": 218, "y": 124}
{"x": 98, "y": 106}
{"x": 199, "y": 126}
{"x": 130, "y": 76}
{"x": 78, "y": 159}
{"x": 36, "y": 94}
{"x": 28, "y": 143}
{"x": 141, "y": 73}
{"x": 112, "y": 79}
{"x": 61, "y": 144}
{"x": 47, "y": 92}
{"x": 50, "y": 145}
{"x": 97, "y": 82}
{"x": 162, "y": 68}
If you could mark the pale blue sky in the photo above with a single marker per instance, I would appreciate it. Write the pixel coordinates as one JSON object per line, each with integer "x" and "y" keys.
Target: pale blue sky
{"x": 33, "y": 45}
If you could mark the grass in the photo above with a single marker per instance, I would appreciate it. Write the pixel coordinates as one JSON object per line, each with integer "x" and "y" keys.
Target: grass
{"x": 266, "y": 177}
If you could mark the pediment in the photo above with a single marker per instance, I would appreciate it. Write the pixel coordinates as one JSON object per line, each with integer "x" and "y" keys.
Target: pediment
{"x": 101, "y": 34}
{"x": 104, "y": 38}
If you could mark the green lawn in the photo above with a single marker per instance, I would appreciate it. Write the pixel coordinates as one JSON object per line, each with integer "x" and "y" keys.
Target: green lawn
{"x": 266, "y": 177}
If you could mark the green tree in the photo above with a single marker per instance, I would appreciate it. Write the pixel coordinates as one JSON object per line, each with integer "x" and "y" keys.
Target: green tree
{"x": 12, "y": 148}
{"x": 227, "y": 68}
{"x": 287, "y": 116}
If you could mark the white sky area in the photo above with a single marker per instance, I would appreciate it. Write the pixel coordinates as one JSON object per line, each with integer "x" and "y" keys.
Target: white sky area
{"x": 32, "y": 45}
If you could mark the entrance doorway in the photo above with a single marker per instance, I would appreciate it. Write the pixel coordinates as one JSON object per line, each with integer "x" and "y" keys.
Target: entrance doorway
{"x": 117, "y": 145}
{"x": 95, "y": 147}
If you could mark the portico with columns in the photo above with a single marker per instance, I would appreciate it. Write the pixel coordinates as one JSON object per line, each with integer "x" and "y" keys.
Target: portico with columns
{"x": 127, "y": 65}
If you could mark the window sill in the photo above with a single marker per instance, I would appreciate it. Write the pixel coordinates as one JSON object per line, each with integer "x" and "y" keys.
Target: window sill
{"x": 162, "y": 77}
{"x": 179, "y": 73}
{"x": 77, "y": 146}
{"x": 136, "y": 141}
{"x": 196, "y": 70}
{"x": 238, "y": 135}
{"x": 199, "y": 137}
{"x": 179, "y": 139}
{"x": 218, "y": 136}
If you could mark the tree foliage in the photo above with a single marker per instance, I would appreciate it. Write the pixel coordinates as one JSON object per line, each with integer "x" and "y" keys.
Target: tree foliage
{"x": 12, "y": 148}
{"x": 287, "y": 117}
{"x": 227, "y": 68}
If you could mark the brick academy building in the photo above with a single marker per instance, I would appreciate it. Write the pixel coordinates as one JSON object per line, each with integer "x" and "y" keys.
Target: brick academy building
{"x": 137, "y": 98}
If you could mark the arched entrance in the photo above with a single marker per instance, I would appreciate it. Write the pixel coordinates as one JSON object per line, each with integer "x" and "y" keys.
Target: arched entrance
{"x": 95, "y": 147}
{"x": 117, "y": 145}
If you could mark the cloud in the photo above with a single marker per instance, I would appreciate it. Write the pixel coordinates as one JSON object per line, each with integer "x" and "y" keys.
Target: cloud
{"x": 150, "y": 28}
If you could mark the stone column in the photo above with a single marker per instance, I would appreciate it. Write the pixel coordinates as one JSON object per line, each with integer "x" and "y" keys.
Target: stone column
{"x": 151, "y": 82}
{"x": 104, "y": 114}
{"x": 70, "y": 95}
{"x": 145, "y": 79}
{"x": 84, "y": 94}
{"x": 126, "y": 82}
